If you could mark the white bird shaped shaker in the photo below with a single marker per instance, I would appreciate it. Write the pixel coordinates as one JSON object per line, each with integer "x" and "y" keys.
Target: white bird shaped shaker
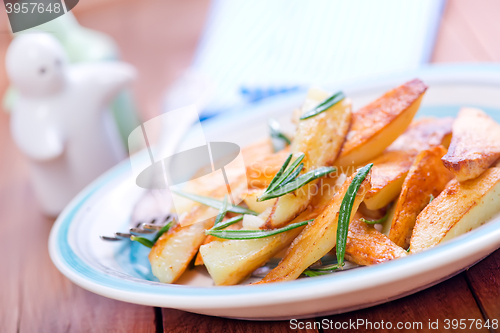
{"x": 61, "y": 120}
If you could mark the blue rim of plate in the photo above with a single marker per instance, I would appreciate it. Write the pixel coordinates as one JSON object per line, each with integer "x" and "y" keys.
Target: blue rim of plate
{"x": 71, "y": 265}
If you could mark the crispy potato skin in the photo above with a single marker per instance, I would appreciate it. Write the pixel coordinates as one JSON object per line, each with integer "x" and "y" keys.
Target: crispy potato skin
{"x": 475, "y": 145}
{"x": 425, "y": 133}
{"x": 391, "y": 168}
{"x": 375, "y": 126}
{"x": 320, "y": 138}
{"x": 317, "y": 238}
{"x": 367, "y": 246}
{"x": 232, "y": 262}
{"x": 458, "y": 209}
{"x": 427, "y": 176}
{"x": 388, "y": 174}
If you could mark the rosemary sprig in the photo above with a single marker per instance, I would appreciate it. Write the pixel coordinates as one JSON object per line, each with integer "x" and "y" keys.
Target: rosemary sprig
{"x": 253, "y": 234}
{"x": 227, "y": 223}
{"x": 311, "y": 273}
{"x": 150, "y": 243}
{"x": 431, "y": 198}
{"x": 275, "y": 131}
{"x": 345, "y": 211}
{"x": 144, "y": 241}
{"x": 296, "y": 183}
{"x": 288, "y": 180}
{"x": 163, "y": 230}
{"x": 211, "y": 202}
{"x": 379, "y": 221}
{"x": 323, "y": 106}
{"x": 222, "y": 212}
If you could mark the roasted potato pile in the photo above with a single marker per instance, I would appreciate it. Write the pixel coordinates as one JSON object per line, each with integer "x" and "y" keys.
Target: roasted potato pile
{"x": 366, "y": 186}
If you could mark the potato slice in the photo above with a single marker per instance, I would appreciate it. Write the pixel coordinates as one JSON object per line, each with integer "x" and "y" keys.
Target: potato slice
{"x": 475, "y": 145}
{"x": 377, "y": 125}
{"x": 317, "y": 238}
{"x": 234, "y": 261}
{"x": 258, "y": 206}
{"x": 426, "y": 177}
{"x": 424, "y": 133}
{"x": 368, "y": 246}
{"x": 320, "y": 138}
{"x": 388, "y": 174}
{"x": 460, "y": 208}
{"x": 175, "y": 249}
{"x": 391, "y": 168}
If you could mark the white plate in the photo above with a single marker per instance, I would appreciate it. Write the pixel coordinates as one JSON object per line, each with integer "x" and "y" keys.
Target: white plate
{"x": 121, "y": 271}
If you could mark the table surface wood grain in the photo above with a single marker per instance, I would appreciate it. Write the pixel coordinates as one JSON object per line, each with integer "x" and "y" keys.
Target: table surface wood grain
{"x": 35, "y": 297}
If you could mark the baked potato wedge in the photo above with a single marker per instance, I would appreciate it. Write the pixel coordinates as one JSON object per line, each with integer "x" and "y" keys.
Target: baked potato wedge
{"x": 391, "y": 168}
{"x": 320, "y": 138}
{"x": 375, "y": 126}
{"x": 172, "y": 253}
{"x": 368, "y": 246}
{"x": 317, "y": 238}
{"x": 460, "y": 208}
{"x": 475, "y": 145}
{"x": 388, "y": 174}
{"x": 424, "y": 133}
{"x": 262, "y": 171}
{"x": 425, "y": 180}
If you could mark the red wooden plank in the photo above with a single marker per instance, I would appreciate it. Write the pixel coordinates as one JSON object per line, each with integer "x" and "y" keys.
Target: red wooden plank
{"x": 451, "y": 299}
{"x": 484, "y": 280}
{"x": 176, "y": 321}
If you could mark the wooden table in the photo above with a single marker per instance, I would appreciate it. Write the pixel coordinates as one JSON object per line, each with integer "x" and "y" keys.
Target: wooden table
{"x": 35, "y": 297}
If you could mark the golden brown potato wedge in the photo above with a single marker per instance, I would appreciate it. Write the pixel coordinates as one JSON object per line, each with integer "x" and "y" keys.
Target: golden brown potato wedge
{"x": 424, "y": 133}
{"x": 475, "y": 145}
{"x": 175, "y": 249}
{"x": 427, "y": 176}
{"x": 320, "y": 138}
{"x": 388, "y": 174}
{"x": 232, "y": 262}
{"x": 460, "y": 208}
{"x": 258, "y": 206}
{"x": 391, "y": 168}
{"x": 377, "y": 125}
{"x": 368, "y": 246}
{"x": 317, "y": 238}
{"x": 209, "y": 239}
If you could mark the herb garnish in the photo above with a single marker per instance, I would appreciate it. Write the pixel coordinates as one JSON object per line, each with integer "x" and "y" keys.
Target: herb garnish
{"x": 323, "y": 106}
{"x": 217, "y": 204}
{"x": 431, "y": 198}
{"x": 222, "y": 212}
{"x": 379, "y": 221}
{"x": 150, "y": 243}
{"x": 345, "y": 212}
{"x": 275, "y": 131}
{"x": 227, "y": 223}
{"x": 253, "y": 234}
{"x": 288, "y": 180}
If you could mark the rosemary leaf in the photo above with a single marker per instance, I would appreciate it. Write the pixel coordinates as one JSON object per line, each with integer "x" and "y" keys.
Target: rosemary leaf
{"x": 222, "y": 212}
{"x": 431, "y": 198}
{"x": 311, "y": 273}
{"x": 323, "y": 106}
{"x": 381, "y": 220}
{"x": 328, "y": 268}
{"x": 296, "y": 184}
{"x": 253, "y": 234}
{"x": 142, "y": 240}
{"x": 211, "y": 202}
{"x": 294, "y": 174}
{"x": 163, "y": 230}
{"x": 279, "y": 173}
{"x": 227, "y": 223}
{"x": 345, "y": 211}
{"x": 281, "y": 181}
{"x": 275, "y": 131}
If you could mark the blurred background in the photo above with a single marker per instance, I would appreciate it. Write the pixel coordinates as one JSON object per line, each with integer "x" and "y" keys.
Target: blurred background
{"x": 163, "y": 39}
